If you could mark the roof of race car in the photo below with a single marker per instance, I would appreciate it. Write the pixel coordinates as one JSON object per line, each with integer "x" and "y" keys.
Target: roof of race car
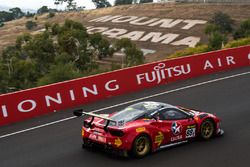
{"x": 137, "y": 110}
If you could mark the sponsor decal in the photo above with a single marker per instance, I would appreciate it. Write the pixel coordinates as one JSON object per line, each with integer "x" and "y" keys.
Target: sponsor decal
{"x": 159, "y": 138}
{"x": 118, "y": 142}
{"x": 176, "y": 138}
{"x": 161, "y": 73}
{"x": 229, "y": 60}
{"x": 190, "y": 132}
{"x": 121, "y": 123}
{"x": 176, "y": 128}
{"x": 191, "y": 126}
{"x": 141, "y": 129}
{"x": 82, "y": 132}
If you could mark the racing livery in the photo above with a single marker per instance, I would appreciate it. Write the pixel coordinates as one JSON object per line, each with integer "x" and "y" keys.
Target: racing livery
{"x": 146, "y": 127}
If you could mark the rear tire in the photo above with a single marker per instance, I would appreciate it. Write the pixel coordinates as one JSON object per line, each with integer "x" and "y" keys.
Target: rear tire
{"x": 141, "y": 146}
{"x": 207, "y": 129}
{"x": 85, "y": 144}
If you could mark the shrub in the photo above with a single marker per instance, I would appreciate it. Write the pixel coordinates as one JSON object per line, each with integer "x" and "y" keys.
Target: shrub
{"x": 51, "y": 14}
{"x": 237, "y": 43}
{"x": 223, "y": 21}
{"x": 243, "y": 31}
{"x": 30, "y": 25}
{"x": 55, "y": 29}
{"x": 216, "y": 40}
{"x": 190, "y": 51}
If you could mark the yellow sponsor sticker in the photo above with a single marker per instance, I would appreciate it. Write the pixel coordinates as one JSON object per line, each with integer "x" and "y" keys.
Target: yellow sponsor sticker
{"x": 141, "y": 129}
{"x": 191, "y": 126}
{"x": 118, "y": 142}
{"x": 159, "y": 138}
{"x": 82, "y": 132}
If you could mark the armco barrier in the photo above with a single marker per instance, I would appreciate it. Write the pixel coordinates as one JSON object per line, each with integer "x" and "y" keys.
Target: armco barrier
{"x": 34, "y": 102}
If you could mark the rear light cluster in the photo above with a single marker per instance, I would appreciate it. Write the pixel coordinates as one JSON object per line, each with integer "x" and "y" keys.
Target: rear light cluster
{"x": 118, "y": 133}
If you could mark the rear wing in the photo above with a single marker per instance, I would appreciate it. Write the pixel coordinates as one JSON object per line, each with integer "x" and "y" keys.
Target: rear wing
{"x": 80, "y": 113}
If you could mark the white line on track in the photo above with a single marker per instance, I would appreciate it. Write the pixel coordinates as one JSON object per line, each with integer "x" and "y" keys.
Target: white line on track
{"x": 131, "y": 101}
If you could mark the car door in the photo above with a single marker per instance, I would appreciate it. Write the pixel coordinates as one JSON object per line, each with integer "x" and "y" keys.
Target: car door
{"x": 176, "y": 125}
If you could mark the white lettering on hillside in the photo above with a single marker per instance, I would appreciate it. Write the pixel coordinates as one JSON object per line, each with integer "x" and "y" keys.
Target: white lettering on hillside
{"x": 139, "y": 21}
{"x": 188, "y": 41}
{"x": 114, "y": 32}
{"x": 158, "y": 37}
{"x": 124, "y": 19}
{"x": 151, "y": 22}
{"x": 166, "y": 23}
{"x": 155, "y": 37}
{"x": 134, "y": 35}
{"x": 192, "y": 23}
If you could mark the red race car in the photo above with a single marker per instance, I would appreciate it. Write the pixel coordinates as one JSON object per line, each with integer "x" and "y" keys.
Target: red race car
{"x": 147, "y": 127}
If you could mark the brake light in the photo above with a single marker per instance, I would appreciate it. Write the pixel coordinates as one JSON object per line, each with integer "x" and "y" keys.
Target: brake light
{"x": 118, "y": 133}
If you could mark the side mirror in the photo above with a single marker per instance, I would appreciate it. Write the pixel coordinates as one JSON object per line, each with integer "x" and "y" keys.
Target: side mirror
{"x": 155, "y": 117}
{"x": 78, "y": 113}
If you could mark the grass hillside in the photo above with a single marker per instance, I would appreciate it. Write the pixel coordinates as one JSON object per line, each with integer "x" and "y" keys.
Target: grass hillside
{"x": 240, "y": 12}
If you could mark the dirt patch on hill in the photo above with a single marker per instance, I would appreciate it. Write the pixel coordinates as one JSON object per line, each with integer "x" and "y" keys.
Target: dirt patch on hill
{"x": 174, "y": 11}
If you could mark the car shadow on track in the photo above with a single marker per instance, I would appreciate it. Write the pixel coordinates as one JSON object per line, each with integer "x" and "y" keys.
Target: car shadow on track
{"x": 167, "y": 152}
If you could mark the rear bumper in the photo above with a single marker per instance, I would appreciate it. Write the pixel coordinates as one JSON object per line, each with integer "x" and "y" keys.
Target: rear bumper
{"x": 220, "y": 132}
{"x": 109, "y": 148}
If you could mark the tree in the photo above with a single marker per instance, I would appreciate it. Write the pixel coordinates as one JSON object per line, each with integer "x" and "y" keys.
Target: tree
{"x": 59, "y": 72}
{"x": 29, "y": 15}
{"x": 211, "y": 28}
{"x": 17, "y": 13}
{"x": 60, "y": 53}
{"x": 1, "y": 24}
{"x": 42, "y": 10}
{"x": 243, "y": 31}
{"x": 71, "y": 4}
{"x": 134, "y": 56}
{"x": 6, "y": 16}
{"x": 101, "y": 3}
{"x": 223, "y": 21}
{"x": 101, "y": 45}
{"x": 123, "y": 2}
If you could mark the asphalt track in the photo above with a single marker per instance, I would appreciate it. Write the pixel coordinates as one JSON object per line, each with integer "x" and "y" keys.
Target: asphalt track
{"x": 60, "y": 144}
